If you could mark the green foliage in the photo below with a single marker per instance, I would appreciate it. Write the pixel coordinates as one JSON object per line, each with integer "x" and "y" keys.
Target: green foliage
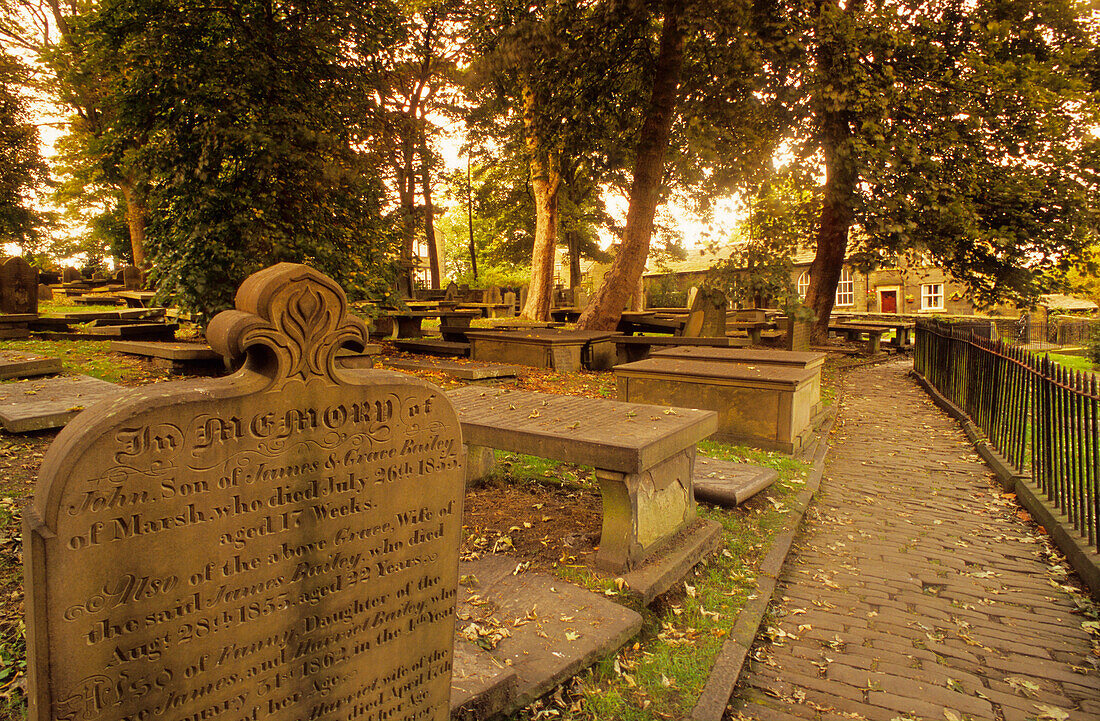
{"x": 23, "y": 173}
{"x": 1094, "y": 344}
{"x": 244, "y": 128}
{"x": 969, "y": 130}
{"x": 760, "y": 269}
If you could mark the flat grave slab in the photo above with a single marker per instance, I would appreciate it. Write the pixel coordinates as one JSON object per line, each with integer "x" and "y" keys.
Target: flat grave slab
{"x": 768, "y": 407}
{"x": 468, "y": 371}
{"x": 351, "y": 359}
{"x": 36, "y": 405}
{"x": 433, "y": 346}
{"x": 168, "y": 351}
{"x": 182, "y": 358}
{"x": 565, "y": 351}
{"x": 557, "y": 629}
{"x": 728, "y": 483}
{"x": 14, "y": 364}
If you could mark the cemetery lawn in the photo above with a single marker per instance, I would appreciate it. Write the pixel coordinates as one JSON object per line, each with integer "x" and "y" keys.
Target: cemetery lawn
{"x": 1074, "y": 362}
{"x": 545, "y": 513}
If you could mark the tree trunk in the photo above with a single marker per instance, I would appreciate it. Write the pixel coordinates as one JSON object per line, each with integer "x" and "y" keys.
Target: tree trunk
{"x": 605, "y": 309}
{"x": 429, "y": 210}
{"x": 135, "y": 220}
{"x": 545, "y": 182}
{"x": 572, "y": 243}
{"x": 406, "y": 190}
{"x": 841, "y": 177}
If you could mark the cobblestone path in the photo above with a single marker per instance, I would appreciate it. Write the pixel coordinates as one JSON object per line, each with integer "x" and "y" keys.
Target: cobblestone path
{"x": 917, "y": 591}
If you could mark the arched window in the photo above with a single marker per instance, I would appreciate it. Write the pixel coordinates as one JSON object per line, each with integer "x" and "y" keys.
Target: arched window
{"x": 803, "y": 284}
{"x": 845, "y": 289}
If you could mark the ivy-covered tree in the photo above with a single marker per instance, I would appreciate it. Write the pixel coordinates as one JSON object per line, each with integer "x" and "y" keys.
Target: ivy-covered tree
{"x": 252, "y": 120}
{"x": 23, "y": 173}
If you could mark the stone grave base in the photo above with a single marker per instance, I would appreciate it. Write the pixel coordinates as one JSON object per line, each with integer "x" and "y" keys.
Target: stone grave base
{"x": 556, "y": 630}
{"x": 673, "y": 561}
{"x": 14, "y": 364}
{"x": 726, "y": 483}
{"x": 50, "y": 402}
{"x": 469, "y": 371}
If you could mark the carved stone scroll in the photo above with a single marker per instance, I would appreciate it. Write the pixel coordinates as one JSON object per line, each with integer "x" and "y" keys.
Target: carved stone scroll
{"x": 279, "y": 544}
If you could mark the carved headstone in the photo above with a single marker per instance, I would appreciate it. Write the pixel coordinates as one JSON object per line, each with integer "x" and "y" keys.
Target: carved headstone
{"x": 71, "y": 275}
{"x": 452, "y": 292}
{"x": 280, "y": 544}
{"x": 18, "y": 286}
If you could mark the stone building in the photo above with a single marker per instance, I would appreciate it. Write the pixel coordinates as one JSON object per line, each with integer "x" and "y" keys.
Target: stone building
{"x": 902, "y": 288}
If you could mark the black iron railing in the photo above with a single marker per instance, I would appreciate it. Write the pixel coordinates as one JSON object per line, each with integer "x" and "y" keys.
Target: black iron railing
{"x": 1042, "y": 417}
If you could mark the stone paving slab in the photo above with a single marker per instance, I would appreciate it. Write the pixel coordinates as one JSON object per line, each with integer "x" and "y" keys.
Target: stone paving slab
{"x": 916, "y": 592}
{"x": 15, "y": 364}
{"x": 35, "y": 405}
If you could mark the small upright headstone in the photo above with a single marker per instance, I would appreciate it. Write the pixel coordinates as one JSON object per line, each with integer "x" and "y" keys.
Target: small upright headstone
{"x": 492, "y": 295}
{"x": 452, "y": 292}
{"x": 707, "y": 317}
{"x": 18, "y": 287}
{"x": 281, "y": 544}
{"x": 70, "y": 275}
{"x": 45, "y": 292}
{"x": 130, "y": 277}
{"x": 797, "y": 337}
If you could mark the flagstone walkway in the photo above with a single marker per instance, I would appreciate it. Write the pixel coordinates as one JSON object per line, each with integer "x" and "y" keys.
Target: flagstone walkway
{"x": 916, "y": 590}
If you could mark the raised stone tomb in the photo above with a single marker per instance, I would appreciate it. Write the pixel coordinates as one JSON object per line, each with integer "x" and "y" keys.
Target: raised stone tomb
{"x": 768, "y": 407}
{"x": 805, "y": 360}
{"x": 562, "y": 350}
{"x": 278, "y": 544}
{"x": 644, "y": 457}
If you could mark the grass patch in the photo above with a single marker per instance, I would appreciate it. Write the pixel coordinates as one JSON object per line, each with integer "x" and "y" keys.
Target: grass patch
{"x": 1074, "y": 362}
{"x": 90, "y": 357}
{"x": 662, "y": 674}
{"x": 49, "y": 307}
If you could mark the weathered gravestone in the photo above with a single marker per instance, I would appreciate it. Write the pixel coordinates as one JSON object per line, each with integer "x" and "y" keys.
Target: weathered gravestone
{"x": 71, "y": 275}
{"x": 18, "y": 287}
{"x": 130, "y": 277}
{"x": 279, "y": 544}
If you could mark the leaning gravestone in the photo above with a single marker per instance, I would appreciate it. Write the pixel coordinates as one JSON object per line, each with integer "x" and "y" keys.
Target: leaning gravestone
{"x": 279, "y": 544}
{"x": 18, "y": 287}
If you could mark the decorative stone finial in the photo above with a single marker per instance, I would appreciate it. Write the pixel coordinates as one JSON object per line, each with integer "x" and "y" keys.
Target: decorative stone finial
{"x": 295, "y": 312}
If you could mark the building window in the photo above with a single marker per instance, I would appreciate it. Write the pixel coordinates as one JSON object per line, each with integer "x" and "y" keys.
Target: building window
{"x": 931, "y": 296}
{"x": 803, "y": 284}
{"x": 845, "y": 289}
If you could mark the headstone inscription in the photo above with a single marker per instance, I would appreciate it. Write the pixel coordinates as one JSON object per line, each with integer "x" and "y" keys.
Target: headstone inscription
{"x": 281, "y": 544}
{"x": 18, "y": 286}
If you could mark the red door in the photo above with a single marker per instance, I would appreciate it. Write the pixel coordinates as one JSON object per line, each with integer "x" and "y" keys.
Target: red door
{"x": 889, "y": 301}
